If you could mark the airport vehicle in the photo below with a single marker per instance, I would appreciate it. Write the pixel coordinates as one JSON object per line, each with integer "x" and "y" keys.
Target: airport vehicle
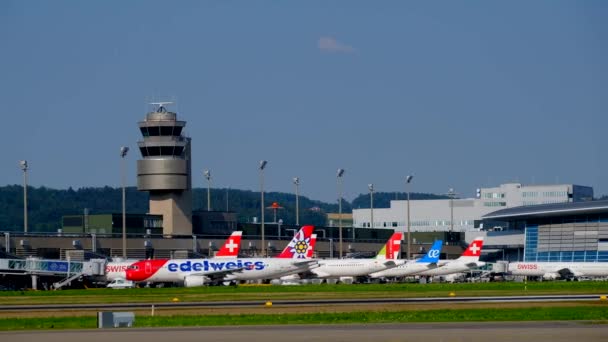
{"x": 341, "y": 268}
{"x": 121, "y": 284}
{"x": 198, "y": 272}
{"x": 428, "y": 262}
{"x": 467, "y": 261}
{"x": 559, "y": 270}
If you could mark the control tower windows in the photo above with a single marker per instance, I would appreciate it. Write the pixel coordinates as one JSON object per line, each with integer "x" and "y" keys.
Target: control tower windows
{"x": 155, "y": 151}
{"x": 165, "y": 131}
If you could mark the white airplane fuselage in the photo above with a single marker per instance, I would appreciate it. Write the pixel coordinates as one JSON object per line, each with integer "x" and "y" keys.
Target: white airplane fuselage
{"x": 176, "y": 270}
{"x": 552, "y": 269}
{"x": 335, "y": 268}
{"x": 455, "y": 266}
{"x": 409, "y": 268}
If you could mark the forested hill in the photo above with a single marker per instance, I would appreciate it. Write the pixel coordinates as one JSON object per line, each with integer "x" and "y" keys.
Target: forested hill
{"x": 46, "y": 206}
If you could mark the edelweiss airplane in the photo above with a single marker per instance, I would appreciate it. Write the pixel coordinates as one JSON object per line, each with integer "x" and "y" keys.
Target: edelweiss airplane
{"x": 468, "y": 260}
{"x": 386, "y": 258}
{"x": 428, "y": 262}
{"x": 118, "y": 269}
{"x": 554, "y": 270}
{"x": 197, "y": 272}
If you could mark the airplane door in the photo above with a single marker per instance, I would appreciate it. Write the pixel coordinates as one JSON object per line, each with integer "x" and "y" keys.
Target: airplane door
{"x": 148, "y": 267}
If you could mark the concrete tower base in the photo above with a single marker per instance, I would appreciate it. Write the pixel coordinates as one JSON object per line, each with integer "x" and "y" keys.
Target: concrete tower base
{"x": 176, "y": 208}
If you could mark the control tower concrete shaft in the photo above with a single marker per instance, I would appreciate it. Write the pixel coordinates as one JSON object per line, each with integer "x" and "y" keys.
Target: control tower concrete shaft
{"x": 165, "y": 170}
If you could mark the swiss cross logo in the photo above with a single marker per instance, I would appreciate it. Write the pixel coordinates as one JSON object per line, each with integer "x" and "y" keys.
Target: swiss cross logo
{"x": 474, "y": 249}
{"x": 231, "y": 245}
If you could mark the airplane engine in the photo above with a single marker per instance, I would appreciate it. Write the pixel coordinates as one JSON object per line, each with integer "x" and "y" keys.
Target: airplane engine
{"x": 194, "y": 281}
{"x": 551, "y": 276}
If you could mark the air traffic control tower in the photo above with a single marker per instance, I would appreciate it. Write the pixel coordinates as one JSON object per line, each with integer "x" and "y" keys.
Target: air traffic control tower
{"x": 165, "y": 170}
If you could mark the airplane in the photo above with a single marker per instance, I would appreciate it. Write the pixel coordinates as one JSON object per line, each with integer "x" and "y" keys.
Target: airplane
{"x": 559, "y": 270}
{"x": 198, "y": 272}
{"x": 467, "y": 261}
{"x": 117, "y": 269}
{"x": 429, "y": 261}
{"x": 348, "y": 268}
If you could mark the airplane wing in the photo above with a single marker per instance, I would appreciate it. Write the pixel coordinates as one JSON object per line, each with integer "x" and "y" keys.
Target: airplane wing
{"x": 389, "y": 263}
{"x": 309, "y": 263}
{"x": 218, "y": 275}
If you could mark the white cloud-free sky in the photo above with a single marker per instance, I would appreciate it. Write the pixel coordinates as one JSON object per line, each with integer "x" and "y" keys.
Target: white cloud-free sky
{"x": 460, "y": 94}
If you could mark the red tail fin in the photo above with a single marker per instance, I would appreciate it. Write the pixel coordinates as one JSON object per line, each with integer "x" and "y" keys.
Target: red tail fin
{"x": 299, "y": 245}
{"x": 311, "y": 248}
{"x": 231, "y": 247}
{"x": 474, "y": 249}
{"x": 392, "y": 248}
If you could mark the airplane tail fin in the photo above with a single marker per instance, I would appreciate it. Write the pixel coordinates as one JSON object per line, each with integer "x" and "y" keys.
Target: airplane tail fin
{"x": 311, "y": 247}
{"x": 472, "y": 252}
{"x": 299, "y": 245}
{"x": 392, "y": 249}
{"x": 231, "y": 247}
{"x": 432, "y": 256}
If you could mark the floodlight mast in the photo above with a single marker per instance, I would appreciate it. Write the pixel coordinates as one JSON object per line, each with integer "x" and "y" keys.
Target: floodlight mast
{"x": 262, "y": 166}
{"x": 339, "y": 175}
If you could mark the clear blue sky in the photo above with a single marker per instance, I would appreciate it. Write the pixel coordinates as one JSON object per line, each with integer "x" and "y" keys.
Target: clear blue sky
{"x": 462, "y": 94}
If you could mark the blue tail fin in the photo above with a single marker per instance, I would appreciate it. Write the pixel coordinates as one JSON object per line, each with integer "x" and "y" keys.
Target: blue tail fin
{"x": 432, "y": 256}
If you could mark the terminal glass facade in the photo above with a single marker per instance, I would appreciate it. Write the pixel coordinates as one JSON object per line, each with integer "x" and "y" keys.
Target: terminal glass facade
{"x": 567, "y": 239}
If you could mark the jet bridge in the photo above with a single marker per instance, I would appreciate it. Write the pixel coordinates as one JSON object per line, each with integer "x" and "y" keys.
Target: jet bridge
{"x": 35, "y": 267}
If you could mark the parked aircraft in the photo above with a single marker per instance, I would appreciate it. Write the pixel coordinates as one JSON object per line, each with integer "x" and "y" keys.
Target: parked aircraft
{"x": 197, "y": 272}
{"x": 118, "y": 269}
{"x": 467, "y": 261}
{"x": 338, "y": 268}
{"x": 555, "y": 270}
{"x": 428, "y": 262}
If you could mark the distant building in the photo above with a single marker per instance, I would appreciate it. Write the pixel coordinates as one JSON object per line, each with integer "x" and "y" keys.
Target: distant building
{"x": 111, "y": 224}
{"x": 465, "y": 214}
{"x": 560, "y": 232}
{"x": 333, "y": 219}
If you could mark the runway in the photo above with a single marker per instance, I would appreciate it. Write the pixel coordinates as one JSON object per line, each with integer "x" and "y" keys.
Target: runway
{"x": 492, "y": 299}
{"x": 469, "y": 332}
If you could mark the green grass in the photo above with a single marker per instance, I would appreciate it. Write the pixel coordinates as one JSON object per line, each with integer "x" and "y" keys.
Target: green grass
{"x": 230, "y": 293}
{"x": 598, "y": 313}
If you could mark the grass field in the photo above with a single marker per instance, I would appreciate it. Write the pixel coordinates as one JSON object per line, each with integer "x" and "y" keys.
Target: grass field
{"x": 597, "y": 313}
{"x": 232, "y": 293}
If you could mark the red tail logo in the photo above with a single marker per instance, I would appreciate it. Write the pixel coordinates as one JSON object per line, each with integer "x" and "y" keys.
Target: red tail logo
{"x": 231, "y": 246}
{"x": 299, "y": 245}
{"x": 311, "y": 248}
{"x": 474, "y": 249}
{"x": 393, "y": 246}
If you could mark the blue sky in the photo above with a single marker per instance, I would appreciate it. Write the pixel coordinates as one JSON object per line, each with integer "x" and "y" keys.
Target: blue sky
{"x": 462, "y": 94}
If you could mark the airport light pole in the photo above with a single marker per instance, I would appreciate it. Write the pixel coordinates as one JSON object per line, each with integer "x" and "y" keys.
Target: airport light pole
{"x": 408, "y": 179}
{"x": 451, "y": 194}
{"x": 371, "y": 201}
{"x": 207, "y": 175}
{"x": 262, "y": 166}
{"x": 296, "y": 182}
{"x": 23, "y": 165}
{"x": 123, "y": 154}
{"x": 339, "y": 175}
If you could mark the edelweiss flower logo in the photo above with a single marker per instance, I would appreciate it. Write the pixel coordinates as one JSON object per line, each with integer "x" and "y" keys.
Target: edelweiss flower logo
{"x": 299, "y": 248}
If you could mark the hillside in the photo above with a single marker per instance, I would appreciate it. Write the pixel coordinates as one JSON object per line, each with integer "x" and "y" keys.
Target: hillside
{"x": 46, "y": 206}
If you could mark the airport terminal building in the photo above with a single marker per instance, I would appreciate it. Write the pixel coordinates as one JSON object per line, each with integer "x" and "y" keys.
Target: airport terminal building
{"x": 461, "y": 215}
{"x": 565, "y": 232}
